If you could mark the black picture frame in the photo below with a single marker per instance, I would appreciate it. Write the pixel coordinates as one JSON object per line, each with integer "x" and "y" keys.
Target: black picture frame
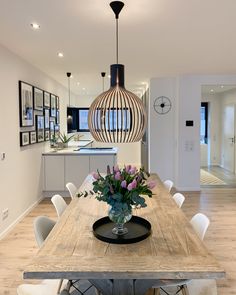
{"x": 57, "y": 103}
{"x": 46, "y": 118}
{"x": 24, "y": 138}
{"x": 26, "y": 104}
{"x": 38, "y": 99}
{"x": 40, "y": 128}
{"x": 53, "y": 106}
{"x": 46, "y": 100}
{"x": 46, "y": 135}
{"x": 52, "y": 128}
{"x": 33, "y": 137}
{"x": 58, "y": 117}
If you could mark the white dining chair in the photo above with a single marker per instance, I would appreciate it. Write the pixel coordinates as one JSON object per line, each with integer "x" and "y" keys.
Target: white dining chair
{"x": 168, "y": 184}
{"x": 72, "y": 189}
{"x": 42, "y": 227}
{"x": 179, "y": 199}
{"x": 200, "y": 223}
{"x": 59, "y": 204}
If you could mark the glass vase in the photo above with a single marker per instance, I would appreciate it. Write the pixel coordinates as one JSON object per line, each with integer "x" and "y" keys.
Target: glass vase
{"x": 119, "y": 218}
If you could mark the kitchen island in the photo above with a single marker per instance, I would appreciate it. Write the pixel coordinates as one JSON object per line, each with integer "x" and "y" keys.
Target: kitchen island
{"x": 73, "y": 164}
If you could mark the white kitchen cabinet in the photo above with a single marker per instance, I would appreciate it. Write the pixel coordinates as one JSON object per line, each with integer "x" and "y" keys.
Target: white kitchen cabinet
{"x": 74, "y": 166}
{"x": 54, "y": 173}
{"x": 100, "y": 162}
{"x": 76, "y": 169}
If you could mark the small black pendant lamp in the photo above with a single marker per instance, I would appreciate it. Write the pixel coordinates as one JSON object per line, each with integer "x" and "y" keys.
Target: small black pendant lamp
{"x": 69, "y": 117}
{"x": 117, "y": 115}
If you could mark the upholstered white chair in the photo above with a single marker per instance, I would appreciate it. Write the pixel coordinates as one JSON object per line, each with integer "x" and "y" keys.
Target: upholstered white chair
{"x": 168, "y": 184}
{"x": 200, "y": 223}
{"x": 72, "y": 189}
{"x": 59, "y": 204}
{"x": 179, "y": 199}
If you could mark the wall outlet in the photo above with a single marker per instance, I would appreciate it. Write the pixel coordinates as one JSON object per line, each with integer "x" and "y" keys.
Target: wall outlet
{"x": 5, "y": 213}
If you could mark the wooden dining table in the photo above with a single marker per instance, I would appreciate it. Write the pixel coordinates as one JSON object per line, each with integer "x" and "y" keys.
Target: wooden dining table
{"x": 172, "y": 251}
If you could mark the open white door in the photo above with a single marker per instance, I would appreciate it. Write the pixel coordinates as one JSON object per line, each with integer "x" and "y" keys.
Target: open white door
{"x": 228, "y": 137}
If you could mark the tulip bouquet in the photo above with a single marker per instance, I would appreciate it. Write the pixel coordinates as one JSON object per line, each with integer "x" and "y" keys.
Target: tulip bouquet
{"x": 122, "y": 189}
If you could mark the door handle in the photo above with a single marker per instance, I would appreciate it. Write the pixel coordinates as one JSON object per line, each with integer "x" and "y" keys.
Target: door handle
{"x": 232, "y": 139}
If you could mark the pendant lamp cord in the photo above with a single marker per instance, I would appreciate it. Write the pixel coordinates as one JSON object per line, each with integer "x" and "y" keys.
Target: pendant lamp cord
{"x": 117, "y": 41}
{"x": 69, "y": 89}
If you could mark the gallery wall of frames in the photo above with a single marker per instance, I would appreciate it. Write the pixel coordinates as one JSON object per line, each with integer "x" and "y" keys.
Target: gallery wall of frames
{"x": 39, "y": 114}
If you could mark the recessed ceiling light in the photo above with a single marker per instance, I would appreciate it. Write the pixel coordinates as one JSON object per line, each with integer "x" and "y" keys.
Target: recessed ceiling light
{"x": 212, "y": 90}
{"x": 222, "y": 86}
{"x": 109, "y": 76}
{"x": 60, "y": 54}
{"x": 83, "y": 88}
{"x": 35, "y": 26}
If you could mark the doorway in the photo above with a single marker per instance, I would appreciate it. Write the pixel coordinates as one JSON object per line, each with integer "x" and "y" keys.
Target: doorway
{"x": 217, "y": 136}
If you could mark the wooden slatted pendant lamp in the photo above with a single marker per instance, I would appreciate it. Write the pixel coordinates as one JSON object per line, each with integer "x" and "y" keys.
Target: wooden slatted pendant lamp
{"x": 117, "y": 115}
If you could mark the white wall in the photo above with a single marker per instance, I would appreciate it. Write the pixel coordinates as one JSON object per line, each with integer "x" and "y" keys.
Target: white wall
{"x": 182, "y": 141}
{"x": 162, "y": 130}
{"x": 20, "y": 172}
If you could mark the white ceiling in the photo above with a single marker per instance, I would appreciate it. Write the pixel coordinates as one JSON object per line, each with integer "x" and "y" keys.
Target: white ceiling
{"x": 157, "y": 38}
{"x": 212, "y": 89}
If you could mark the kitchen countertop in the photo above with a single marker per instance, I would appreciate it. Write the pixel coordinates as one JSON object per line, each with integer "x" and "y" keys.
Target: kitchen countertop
{"x": 82, "y": 151}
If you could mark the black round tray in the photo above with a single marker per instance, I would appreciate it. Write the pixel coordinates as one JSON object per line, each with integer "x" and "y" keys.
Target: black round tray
{"x": 138, "y": 230}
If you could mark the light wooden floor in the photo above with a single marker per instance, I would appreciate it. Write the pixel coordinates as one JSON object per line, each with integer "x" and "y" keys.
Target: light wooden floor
{"x": 219, "y": 204}
{"x": 228, "y": 177}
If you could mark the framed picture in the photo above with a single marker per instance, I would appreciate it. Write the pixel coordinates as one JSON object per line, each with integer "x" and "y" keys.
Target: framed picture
{"x": 46, "y": 118}
{"x": 46, "y": 99}
{"x": 58, "y": 117}
{"x": 24, "y": 138}
{"x": 40, "y": 128}
{"x": 33, "y": 137}
{"x": 58, "y": 103}
{"x": 38, "y": 99}
{"x": 47, "y": 135}
{"x": 57, "y": 129}
{"x": 52, "y": 129}
{"x": 53, "y": 106}
{"x": 26, "y": 104}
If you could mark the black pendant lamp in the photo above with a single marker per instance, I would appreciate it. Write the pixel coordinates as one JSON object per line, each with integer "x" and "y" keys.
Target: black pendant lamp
{"x": 69, "y": 116}
{"x": 117, "y": 115}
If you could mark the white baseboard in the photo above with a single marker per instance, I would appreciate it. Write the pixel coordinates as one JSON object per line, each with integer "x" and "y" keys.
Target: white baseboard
{"x": 10, "y": 227}
{"x": 188, "y": 189}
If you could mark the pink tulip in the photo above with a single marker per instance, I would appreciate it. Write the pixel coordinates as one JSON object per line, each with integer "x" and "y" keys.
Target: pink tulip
{"x": 132, "y": 170}
{"x": 116, "y": 168}
{"x": 132, "y": 185}
{"x": 127, "y": 168}
{"x": 124, "y": 184}
{"x": 117, "y": 175}
{"x": 151, "y": 184}
{"x": 95, "y": 175}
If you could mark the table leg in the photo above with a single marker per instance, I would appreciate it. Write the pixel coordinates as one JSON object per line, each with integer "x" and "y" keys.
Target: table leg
{"x": 123, "y": 287}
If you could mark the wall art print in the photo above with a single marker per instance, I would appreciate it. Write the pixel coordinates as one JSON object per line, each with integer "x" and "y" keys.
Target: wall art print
{"x": 26, "y": 104}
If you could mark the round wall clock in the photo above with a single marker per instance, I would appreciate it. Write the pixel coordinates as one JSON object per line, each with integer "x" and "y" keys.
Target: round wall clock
{"x": 162, "y": 105}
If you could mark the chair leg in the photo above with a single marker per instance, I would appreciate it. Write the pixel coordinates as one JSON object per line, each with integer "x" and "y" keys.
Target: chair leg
{"x": 185, "y": 290}
{"x": 97, "y": 292}
{"x": 59, "y": 286}
{"x": 156, "y": 291}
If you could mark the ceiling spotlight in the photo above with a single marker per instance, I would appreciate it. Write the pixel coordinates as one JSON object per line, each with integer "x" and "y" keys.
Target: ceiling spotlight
{"x": 222, "y": 86}
{"x": 83, "y": 88}
{"x": 109, "y": 76}
{"x": 60, "y": 54}
{"x": 35, "y": 26}
{"x": 212, "y": 90}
